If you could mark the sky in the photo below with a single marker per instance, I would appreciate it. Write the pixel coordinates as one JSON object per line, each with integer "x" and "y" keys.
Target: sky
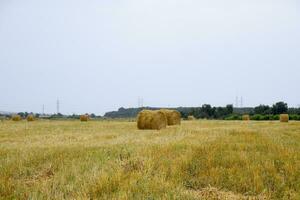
{"x": 96, "y": 56}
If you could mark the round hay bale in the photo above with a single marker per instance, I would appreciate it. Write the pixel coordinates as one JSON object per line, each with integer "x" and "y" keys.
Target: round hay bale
{"x": 16, "y": 118}
{"x": 154, "y": 120}
{"x": 30, "y": 118}
{"x": 191, "y": 118}
{"x": 245, "y": 117}
{"x": 84, "y": 118}
{"x": 173, "y": 116}
{"x": 284, "y": 118}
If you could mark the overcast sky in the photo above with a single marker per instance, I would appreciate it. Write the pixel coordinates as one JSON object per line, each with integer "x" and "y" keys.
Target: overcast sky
{"x": 99, "y": 55}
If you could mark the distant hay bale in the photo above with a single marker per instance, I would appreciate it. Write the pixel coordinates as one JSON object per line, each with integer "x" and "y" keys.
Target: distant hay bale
{"x": 173, "y": 116}
{"x": 30, "y": 118}
{"x": 191, "y": 118}
{"x": 84, "y": 118}
{"x": 16, "y": 118}
{"x": 245, "y": 117}
{"x": 284, "y": 118}
{"x": 154, "y": 120}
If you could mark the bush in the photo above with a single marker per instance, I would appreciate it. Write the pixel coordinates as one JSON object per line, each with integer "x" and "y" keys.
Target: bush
{"x": 266, "y": 117}
{"x": 275, "y": 117}
{"x": 257, "y": 117}
{"x": 233, "y": 117}
{"x": 294, "y": 117}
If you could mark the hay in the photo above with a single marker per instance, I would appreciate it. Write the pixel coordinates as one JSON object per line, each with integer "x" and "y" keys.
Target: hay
{"x": 16, "y": 118}
{"x": 284, "y": 118}
{"x": 30, "y": 118}
{"x": 191, "y": 117}
{"x": 84, "y": 118}
{"x": 148, "y": 119}
{"x": 173, "y": 116}
{"x": 245, "y": 117}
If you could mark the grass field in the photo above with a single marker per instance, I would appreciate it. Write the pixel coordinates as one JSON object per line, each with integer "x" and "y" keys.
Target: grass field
{"x": 114, "y": 160}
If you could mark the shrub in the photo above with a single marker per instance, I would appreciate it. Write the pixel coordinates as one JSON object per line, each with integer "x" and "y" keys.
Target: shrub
{"x": 256, "y": 117}
{"x": 275, "y": 117}
{"x": 233, "y": 117}
{"x": 294, "y": 117}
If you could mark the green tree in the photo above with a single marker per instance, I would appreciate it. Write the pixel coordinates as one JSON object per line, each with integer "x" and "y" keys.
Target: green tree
{"x": 207, "y": 111}
{"x": 279, "y": 108}
{"x": 229, "y": 109}
{"x": 262, "y": 109}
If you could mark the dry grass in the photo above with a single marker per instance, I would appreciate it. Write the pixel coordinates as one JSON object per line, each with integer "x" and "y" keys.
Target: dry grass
{"x": 114, "y": 160}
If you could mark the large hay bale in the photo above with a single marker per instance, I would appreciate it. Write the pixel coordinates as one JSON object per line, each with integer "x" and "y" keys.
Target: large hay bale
{"x": 16, "y": 118}
{"x": 148, "y": 119}
{"x": 173, "y": 116}
{"x": 84, "y": 118}
{"x": 245, "y": 117}
{"x": 191, "y": 118}
{"x": 30, "y": 118}
{"x": 284, "y": 118}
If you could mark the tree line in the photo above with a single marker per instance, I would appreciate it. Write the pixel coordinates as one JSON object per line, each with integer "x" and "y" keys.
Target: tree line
{"x": 206, "y": 111}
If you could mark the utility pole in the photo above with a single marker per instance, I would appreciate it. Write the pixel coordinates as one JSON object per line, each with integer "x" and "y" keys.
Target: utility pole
{"x": 57, "y": 106}
{"x": 140, "y": 102}
{"x": 236, "y": 101}
{"x": 242, "y": 101}
{"x": 43, "y": 109}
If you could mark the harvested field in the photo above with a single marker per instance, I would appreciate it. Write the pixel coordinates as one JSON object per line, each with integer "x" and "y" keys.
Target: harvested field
{"x": 114, "y": 160}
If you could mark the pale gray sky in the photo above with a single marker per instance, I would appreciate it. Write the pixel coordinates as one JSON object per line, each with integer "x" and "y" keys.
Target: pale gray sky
{"x": 96, "y": 55}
